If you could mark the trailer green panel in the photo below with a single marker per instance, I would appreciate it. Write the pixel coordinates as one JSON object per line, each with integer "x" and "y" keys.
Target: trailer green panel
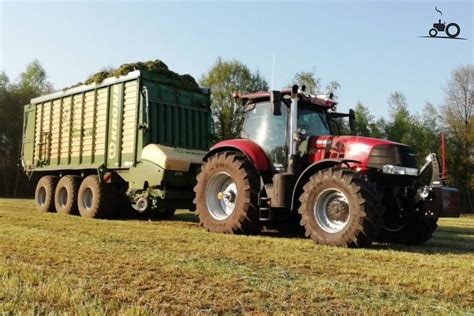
{"x": 108, "y": 124}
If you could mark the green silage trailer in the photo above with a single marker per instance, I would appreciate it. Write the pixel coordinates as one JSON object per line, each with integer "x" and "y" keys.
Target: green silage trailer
{"x": 136, "y": 139}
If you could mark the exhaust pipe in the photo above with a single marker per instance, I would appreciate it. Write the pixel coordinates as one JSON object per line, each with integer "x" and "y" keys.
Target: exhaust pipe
{"x": 293, "y": 136}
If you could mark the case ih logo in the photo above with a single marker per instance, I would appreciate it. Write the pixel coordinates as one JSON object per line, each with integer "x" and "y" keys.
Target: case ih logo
{"x": 451, "y": 29}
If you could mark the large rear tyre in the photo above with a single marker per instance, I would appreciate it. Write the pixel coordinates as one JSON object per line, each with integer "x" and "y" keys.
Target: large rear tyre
{"x": 450, "y": 32}
{"x": 415, "y": 231}
{"x": 65, "y": 197}
{"x": 338, "y": 209}
{"x": 44, "y": 193}
{"x": 92, "y": 199}
{"x": 227, "y": 195}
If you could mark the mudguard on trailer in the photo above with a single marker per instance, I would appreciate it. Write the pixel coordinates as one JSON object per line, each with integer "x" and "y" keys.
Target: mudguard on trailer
{"x": 249, "y": 148}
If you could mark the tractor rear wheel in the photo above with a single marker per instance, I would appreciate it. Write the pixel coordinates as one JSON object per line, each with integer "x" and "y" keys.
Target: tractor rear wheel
{"x": 415, "y": 231}
{"x": 44, "y": 193}
{"x": 65, "y": 197}
{"x": 227, "y": 195}
{"x": 338, "y": 209}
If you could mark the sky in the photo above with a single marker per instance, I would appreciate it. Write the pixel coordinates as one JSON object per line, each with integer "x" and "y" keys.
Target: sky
{"x": 372, "y": 48}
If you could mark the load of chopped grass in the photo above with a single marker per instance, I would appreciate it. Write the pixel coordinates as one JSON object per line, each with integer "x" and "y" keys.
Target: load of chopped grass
{"x": 186, "y": 82}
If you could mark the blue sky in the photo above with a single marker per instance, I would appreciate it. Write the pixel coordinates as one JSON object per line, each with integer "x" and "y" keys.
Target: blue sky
{"x": 371, "y": 47}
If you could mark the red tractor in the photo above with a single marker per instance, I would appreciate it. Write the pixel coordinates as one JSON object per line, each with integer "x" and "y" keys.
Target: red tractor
{"x": 291, "y": 172}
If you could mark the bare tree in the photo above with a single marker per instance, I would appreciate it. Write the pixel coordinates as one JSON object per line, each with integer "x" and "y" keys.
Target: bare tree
{"x": 459, "y": 103}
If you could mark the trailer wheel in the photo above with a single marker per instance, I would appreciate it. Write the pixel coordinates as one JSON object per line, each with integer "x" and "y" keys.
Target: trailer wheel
{"x": 416, "y": 231}
{"x": 227, "y": 195}
{"x": 338, "y": 209}
{"x": 44, "y": 193}
{"x": 65, "y": 197}
{"x": 92, "y": 199}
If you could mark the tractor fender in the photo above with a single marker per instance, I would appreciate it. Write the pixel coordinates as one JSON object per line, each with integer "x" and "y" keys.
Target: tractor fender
{"x": 311, "y": 170}
{"x": 250, "y": 149}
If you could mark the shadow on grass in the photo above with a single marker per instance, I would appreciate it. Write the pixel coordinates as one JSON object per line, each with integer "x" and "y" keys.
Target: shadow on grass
{"x": 180, "y": 216}
{"x": 446, "y": 240}
{"x": 432, "y": 246}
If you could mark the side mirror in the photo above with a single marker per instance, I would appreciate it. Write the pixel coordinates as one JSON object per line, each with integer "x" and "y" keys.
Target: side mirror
{"x": 275, "y": 99}
{"x": 352, "y": 120}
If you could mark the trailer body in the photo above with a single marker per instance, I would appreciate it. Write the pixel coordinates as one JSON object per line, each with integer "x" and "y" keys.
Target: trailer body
{"x": 144, "y": 131}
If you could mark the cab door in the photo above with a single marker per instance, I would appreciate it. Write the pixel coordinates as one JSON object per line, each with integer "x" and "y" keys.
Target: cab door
{"x": 269, "y": 131}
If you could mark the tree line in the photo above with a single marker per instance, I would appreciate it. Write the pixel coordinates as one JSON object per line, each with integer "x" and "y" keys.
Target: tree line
{"x": 419, "y": 130}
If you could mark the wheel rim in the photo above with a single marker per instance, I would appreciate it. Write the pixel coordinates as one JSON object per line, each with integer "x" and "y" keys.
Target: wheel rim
{"x": 221, "y": 196}
{"x": 87, "y": 198}
{"x": 42, "y": 196}
{"x": 63, "y": 196}
{"x": 331, "y": 210}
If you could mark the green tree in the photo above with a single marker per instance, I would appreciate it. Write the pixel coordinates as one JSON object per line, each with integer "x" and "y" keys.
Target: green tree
{"x": 312, "y": 83}
{"x": 426, "y": 132}
{"x": 421, "y": 132}
{"x": 363, "y": 120}
{"x": 13, "y": 96}
{"x": 224, "y": 78}
{"x": 333, "y": 86}
{"x": 398, "y": 129}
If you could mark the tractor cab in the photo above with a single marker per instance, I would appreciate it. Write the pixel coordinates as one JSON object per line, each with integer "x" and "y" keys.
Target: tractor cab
{"x": 268, "y": 123}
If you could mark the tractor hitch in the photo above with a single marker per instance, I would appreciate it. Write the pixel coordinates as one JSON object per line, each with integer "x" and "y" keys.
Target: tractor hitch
{"x": 436, "y": 198}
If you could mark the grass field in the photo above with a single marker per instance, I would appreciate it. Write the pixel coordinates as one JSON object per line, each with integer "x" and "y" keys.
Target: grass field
{"x": 56, "y": 263}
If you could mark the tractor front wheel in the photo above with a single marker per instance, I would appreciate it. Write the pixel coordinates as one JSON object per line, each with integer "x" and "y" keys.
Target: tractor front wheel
{"x": 416, "y": 230}
{"x": 227, "y": 195}
{"x": 339, "y": 209}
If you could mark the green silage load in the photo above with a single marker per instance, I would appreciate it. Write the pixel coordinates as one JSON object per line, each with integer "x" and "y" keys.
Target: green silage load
{"x": 186, "y": 82}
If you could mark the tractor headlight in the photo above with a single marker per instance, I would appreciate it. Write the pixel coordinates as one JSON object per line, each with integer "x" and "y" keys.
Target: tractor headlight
{"x": 391, "y": 169}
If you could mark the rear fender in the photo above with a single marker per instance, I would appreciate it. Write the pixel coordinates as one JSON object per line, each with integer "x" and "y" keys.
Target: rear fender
{"x": 250, "y": 149}
{"x": 311, "y": 170}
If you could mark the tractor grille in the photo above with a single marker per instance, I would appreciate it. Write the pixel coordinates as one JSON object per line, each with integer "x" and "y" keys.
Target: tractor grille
{"x": 397, "y": 155}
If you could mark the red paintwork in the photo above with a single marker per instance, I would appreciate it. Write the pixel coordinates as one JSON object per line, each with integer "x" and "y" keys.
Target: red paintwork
{"x": 248, "y": 147}
{"x": 347, "y": 147}
{"x": 443, "y": 156}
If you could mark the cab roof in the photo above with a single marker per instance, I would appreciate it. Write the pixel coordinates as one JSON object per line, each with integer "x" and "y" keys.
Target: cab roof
{"x": 260, "y": 96}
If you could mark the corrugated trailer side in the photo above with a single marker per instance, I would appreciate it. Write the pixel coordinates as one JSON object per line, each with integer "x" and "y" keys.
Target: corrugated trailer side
{"x": 84, "y": 128}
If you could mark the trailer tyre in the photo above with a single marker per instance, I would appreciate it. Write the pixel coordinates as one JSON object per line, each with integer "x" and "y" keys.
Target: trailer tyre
{"x": 416, "y": 231}
{"x": 65, "y": 197}
{"x": 44, "y": 193}
{"x": 339, "y": 209}
{"x": 227, "y": 195}
{"x": 92, "y": 199}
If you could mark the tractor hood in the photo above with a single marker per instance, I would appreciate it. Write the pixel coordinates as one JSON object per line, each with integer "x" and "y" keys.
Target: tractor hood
{"x": 371, "y": 152}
